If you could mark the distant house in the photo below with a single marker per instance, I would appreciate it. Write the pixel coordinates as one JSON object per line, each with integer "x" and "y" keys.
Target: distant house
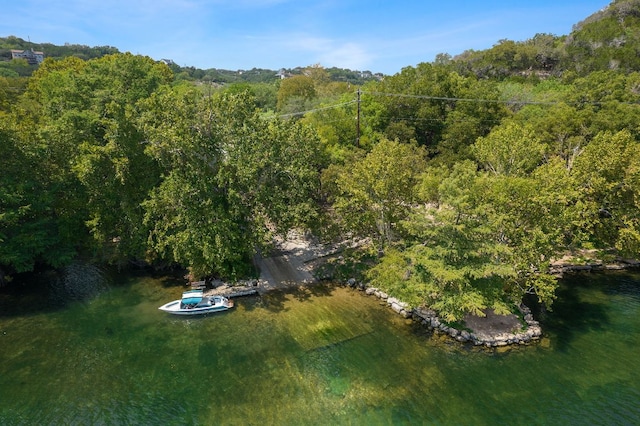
{"x": 167, "y": 61}
{"x": 32, "y": 57}
{"x": 282, "y": 74}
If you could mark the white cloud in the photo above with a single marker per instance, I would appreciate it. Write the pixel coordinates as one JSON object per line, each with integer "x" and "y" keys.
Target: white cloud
{"x": 329, "y": 52}
{"x": 348, "y": 55}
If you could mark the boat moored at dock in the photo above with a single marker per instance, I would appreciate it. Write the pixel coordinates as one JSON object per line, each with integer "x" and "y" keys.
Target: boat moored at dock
{"x": 194, "y": 302}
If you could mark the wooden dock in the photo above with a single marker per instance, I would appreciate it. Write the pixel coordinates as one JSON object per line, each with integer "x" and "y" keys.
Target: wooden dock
{"x": 232, "y": 292}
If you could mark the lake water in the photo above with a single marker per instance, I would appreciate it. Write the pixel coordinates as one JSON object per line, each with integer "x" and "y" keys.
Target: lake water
{"x": 319, "y": 355}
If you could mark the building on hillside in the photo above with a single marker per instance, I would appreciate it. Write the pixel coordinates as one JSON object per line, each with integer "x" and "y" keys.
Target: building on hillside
{"x": 32, "y": 57}
{"x": 282, "y": 74}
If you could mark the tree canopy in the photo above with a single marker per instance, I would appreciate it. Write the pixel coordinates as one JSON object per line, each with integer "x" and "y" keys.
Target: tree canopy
{"x": 468, "y": 175}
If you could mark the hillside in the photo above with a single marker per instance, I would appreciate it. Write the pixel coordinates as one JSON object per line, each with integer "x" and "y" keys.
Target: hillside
{"x": 214, "y": 75}
{"x": 609, "y": 39}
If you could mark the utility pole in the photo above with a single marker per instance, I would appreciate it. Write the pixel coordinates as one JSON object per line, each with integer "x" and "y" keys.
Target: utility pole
{"x": 358, "y": 120}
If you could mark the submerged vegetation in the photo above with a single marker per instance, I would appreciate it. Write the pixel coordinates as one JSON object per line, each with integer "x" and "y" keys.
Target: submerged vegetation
{"x": 468, "y": 175}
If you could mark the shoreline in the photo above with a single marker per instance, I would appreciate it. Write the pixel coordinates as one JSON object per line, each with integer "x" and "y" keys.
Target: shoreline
{"x": 292, "y": 265}
{"x": 490, "y": 331}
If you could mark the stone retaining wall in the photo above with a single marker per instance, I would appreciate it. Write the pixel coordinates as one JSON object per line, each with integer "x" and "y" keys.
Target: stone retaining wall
{"x": 429, "y": 319}
{"x": 533, "y": 331}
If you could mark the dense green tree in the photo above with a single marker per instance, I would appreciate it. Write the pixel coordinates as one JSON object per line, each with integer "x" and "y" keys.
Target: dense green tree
{"x": 564, "y": 129}
{"x": 486, "y": 243}
{"x": 453, "y": 262}
{"x": 10, "y": 90}
{"x": 30, "y": 230}
{"x": 510, "y": 149}
{"x": 264, "y": 94}
{"x": 86, "y": 114}
{"x": 336, "y": 127}
{"x": 411, "y": 98}
{"x": 297, "y": 87}
{"x": 606, "y": 173}
{"x": 231, "y": 179}
{"x": 435, "y": 106}
{"x": 375, "y": 193}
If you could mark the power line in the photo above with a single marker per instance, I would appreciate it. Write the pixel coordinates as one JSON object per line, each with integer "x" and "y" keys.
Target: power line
{"x": 293, "y": 114}
{"x": 359, "y": 92}
{"x": 479, "y": 100}
{"x": 445, "y": 98}
{"x": 402, "y": 95}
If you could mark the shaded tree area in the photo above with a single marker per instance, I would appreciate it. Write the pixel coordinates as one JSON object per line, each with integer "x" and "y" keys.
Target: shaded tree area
{"x": 112, "y": 161}
{"x": 231, "y": 180}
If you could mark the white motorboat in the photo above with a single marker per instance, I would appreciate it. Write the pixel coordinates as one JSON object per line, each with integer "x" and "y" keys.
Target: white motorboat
{"x": 194, "y": 302}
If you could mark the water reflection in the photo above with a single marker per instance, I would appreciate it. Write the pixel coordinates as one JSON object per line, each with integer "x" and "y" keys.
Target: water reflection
{"x": 78, "y": 282}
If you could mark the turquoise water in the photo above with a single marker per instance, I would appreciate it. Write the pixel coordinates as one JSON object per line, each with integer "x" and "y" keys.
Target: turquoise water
{"x": 314, "y": 356}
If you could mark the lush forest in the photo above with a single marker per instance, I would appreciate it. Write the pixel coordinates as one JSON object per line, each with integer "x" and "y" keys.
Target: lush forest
{"x": 468, "y": 175}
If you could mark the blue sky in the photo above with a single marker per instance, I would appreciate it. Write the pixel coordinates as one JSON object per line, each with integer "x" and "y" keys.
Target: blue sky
{"x": 380, "y": 36}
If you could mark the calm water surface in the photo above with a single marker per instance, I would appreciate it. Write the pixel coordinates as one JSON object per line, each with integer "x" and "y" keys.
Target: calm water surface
{"x": 313, "y": 356}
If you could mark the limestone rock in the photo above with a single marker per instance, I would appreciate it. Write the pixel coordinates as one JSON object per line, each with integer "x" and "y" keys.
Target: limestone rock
{"x": 396, "y": 307}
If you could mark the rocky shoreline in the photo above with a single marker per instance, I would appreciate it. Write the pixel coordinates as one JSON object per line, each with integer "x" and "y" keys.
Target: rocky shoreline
{"x": 524, "y": 334}
{"x": 561, "y": 267}
{"x": 506, "y": 330}
{"x": 293, "y": 265}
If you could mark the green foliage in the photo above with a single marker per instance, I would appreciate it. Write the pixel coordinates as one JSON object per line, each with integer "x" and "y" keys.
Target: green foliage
{"x": 264, "y": 94}
{"x": 373, "y": 194}
{"x": 429, "y": 183}
{"x": 335, "y": 126}
{"x": 510, "y": 149}
{"x": 29, "y": 233}
{"x": 606, "y": 173}
{"x": 486, "y": 242}
{"x": 87, "y": 113}
{"x": 562, "y": 128}
{"x": 299, "y": 87}
{"x": 10, "y": 90}
{"x": 433, "y": 105}
{"x": 230, "y": 179}
{"x": 606, "y": 40}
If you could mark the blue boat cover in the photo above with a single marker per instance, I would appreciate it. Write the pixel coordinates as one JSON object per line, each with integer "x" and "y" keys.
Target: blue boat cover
{"x": 192, "y": 297}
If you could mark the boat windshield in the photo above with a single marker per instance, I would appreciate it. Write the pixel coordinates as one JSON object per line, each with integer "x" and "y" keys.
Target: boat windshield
{"x": 192, "y": 297}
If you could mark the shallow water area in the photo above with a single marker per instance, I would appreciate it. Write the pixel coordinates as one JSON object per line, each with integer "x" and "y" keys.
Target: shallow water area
{"x": 314, "y": 355}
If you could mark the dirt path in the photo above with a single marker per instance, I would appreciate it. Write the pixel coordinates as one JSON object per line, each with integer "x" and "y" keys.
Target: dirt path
{"x": 282, "y": 270}
{"x": 290, "y": 264}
